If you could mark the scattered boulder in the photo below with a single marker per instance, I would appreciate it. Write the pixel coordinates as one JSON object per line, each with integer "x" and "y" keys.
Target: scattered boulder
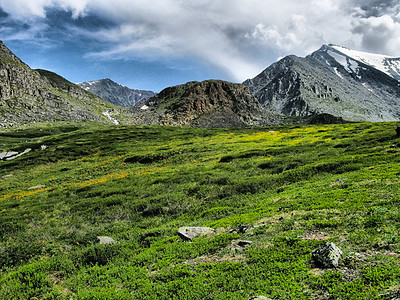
{"x": 105, "y": 240}
{"x": 327, "y": 255}
{"x": 188, "y": 233}
{"x": 259, "y": 298}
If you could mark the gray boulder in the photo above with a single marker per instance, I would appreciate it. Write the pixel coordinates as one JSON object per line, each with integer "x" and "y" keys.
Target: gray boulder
{"x": 188, "y": 233}
{"x": 327, "y": 255}
{"x": 259, "y": 298}
{"x": 105, "y": 240}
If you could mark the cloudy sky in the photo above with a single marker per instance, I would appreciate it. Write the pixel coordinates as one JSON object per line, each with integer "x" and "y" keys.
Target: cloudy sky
{"x": 159, "y": 43}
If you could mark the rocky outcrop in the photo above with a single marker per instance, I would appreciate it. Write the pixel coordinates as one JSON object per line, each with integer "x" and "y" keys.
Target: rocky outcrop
{"x": 30, "y": 96}
{"x": 327, "y": 82}
{"x": 116, "y": 93}
{"x": 211, "y": 103}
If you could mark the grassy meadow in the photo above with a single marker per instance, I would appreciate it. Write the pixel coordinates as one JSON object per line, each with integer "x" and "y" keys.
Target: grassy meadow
{"x": 297, "y": 186}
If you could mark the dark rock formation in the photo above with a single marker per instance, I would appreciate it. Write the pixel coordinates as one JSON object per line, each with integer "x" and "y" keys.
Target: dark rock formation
{"x": 115, "y": 93}
{"x": 212, "y": 103}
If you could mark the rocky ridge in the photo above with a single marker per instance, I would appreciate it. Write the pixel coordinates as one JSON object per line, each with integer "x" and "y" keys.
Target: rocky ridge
{"x": 211, "y": 103}
{"x": 329, "y": 81}
{"x": 30, "y": 96}
{"x": 116, "y": 93}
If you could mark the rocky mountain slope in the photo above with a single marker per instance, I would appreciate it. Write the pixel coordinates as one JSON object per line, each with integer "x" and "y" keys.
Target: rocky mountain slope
{"x": 30, "y": 96}
{"x": 353, "y": 85}
{"x": 116, "y": 93}
{"x": 212, "y": 103}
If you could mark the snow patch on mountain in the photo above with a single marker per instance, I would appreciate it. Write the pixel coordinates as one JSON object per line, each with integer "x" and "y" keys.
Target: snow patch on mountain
{"x": 108, "y": 115}
{"x": 387, "y": 64}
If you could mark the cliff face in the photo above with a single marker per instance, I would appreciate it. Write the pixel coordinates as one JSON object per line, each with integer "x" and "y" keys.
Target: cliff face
{"x": 328, "y": 81}
{"x": 212, "y": 103}
{"x": 29, "y": 96}
{"x": 115, "y": 93}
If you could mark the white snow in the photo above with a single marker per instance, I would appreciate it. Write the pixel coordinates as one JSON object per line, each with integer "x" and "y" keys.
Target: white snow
{"x": 144, "y": 107}
{"x": 107, "y": 114}
{"x": 337, "y": 73}
{"x": 387, "y": 64}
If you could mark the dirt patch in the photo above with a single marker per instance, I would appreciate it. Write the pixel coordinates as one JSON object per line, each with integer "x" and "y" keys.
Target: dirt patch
{"x": 314, "y": 235}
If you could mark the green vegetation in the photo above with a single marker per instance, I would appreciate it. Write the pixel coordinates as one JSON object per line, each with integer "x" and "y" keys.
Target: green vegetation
{"x": 298, "y": 186}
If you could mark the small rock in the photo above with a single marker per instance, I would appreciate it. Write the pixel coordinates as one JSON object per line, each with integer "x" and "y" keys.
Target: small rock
{"x": 259, "y": 298}
{"x": 327, "y": 256}
{"x": 188, "y": 233}
{"x": 105, "y": 240}
{"x": 244, "y": 243}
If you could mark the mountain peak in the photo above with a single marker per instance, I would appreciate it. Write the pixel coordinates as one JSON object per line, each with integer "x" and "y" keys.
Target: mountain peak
{"x": 116, "y": 93}
{"x": 389, "y": 65}
{"x": 210, "y": 103}
{"x": 353, "y": 85}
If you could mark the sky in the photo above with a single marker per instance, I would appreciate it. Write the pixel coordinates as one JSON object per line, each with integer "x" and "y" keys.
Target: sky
{"x": 155, "y": 44}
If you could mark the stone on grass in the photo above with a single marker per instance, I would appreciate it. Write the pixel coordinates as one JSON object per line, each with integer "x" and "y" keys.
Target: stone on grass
{"x": 188, "y": 233}
{"x": 259, "y": 298}
{"x": 105, "y": 240}
{"x": 327, "y": 255}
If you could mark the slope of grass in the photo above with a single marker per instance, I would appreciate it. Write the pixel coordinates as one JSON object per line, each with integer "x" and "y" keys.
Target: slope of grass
{"x": 297, "y": 186}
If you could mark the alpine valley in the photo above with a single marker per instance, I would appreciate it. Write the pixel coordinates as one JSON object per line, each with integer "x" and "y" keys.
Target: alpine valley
{"x": 100, "y": 201}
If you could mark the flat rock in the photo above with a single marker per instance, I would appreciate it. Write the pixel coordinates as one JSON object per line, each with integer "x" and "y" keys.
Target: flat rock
{"x": 105, "y": 240}
{"x": 259, "y": 298}
{"x": 188, "y": 233}
{"x": 327, "y": 255}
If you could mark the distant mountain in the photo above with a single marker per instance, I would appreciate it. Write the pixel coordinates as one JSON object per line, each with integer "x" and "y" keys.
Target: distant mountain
{"x": 115, "y": 93}
{"x": 344, "y": 83}
{"x": 31, "y": 96}
{"x": 211, "y": 103}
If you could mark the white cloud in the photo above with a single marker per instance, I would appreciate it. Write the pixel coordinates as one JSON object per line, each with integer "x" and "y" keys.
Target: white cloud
{"x": 237, "y": 36}
{"x": 379, "y": 34}
{"x": 28, "y": 9}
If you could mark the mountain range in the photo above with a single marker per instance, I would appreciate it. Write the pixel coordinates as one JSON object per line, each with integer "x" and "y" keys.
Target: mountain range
{"x": 116, "y": 93}
{"x": 353, "y": 85}
{"x": 333, "y": 84}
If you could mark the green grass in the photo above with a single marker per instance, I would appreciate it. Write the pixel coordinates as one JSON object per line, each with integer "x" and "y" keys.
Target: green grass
{"x": 298, "y": 186}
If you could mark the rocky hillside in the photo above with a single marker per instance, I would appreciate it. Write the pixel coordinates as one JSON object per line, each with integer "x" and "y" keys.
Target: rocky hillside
{"x": 31, "y": 96}
{"x": 211, "y": 103}
{"x": 352, "y": 85}
{"x": 115, "y": 93}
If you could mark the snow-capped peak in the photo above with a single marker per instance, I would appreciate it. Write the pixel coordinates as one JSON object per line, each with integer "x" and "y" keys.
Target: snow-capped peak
{"x": 387, "y": 64}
